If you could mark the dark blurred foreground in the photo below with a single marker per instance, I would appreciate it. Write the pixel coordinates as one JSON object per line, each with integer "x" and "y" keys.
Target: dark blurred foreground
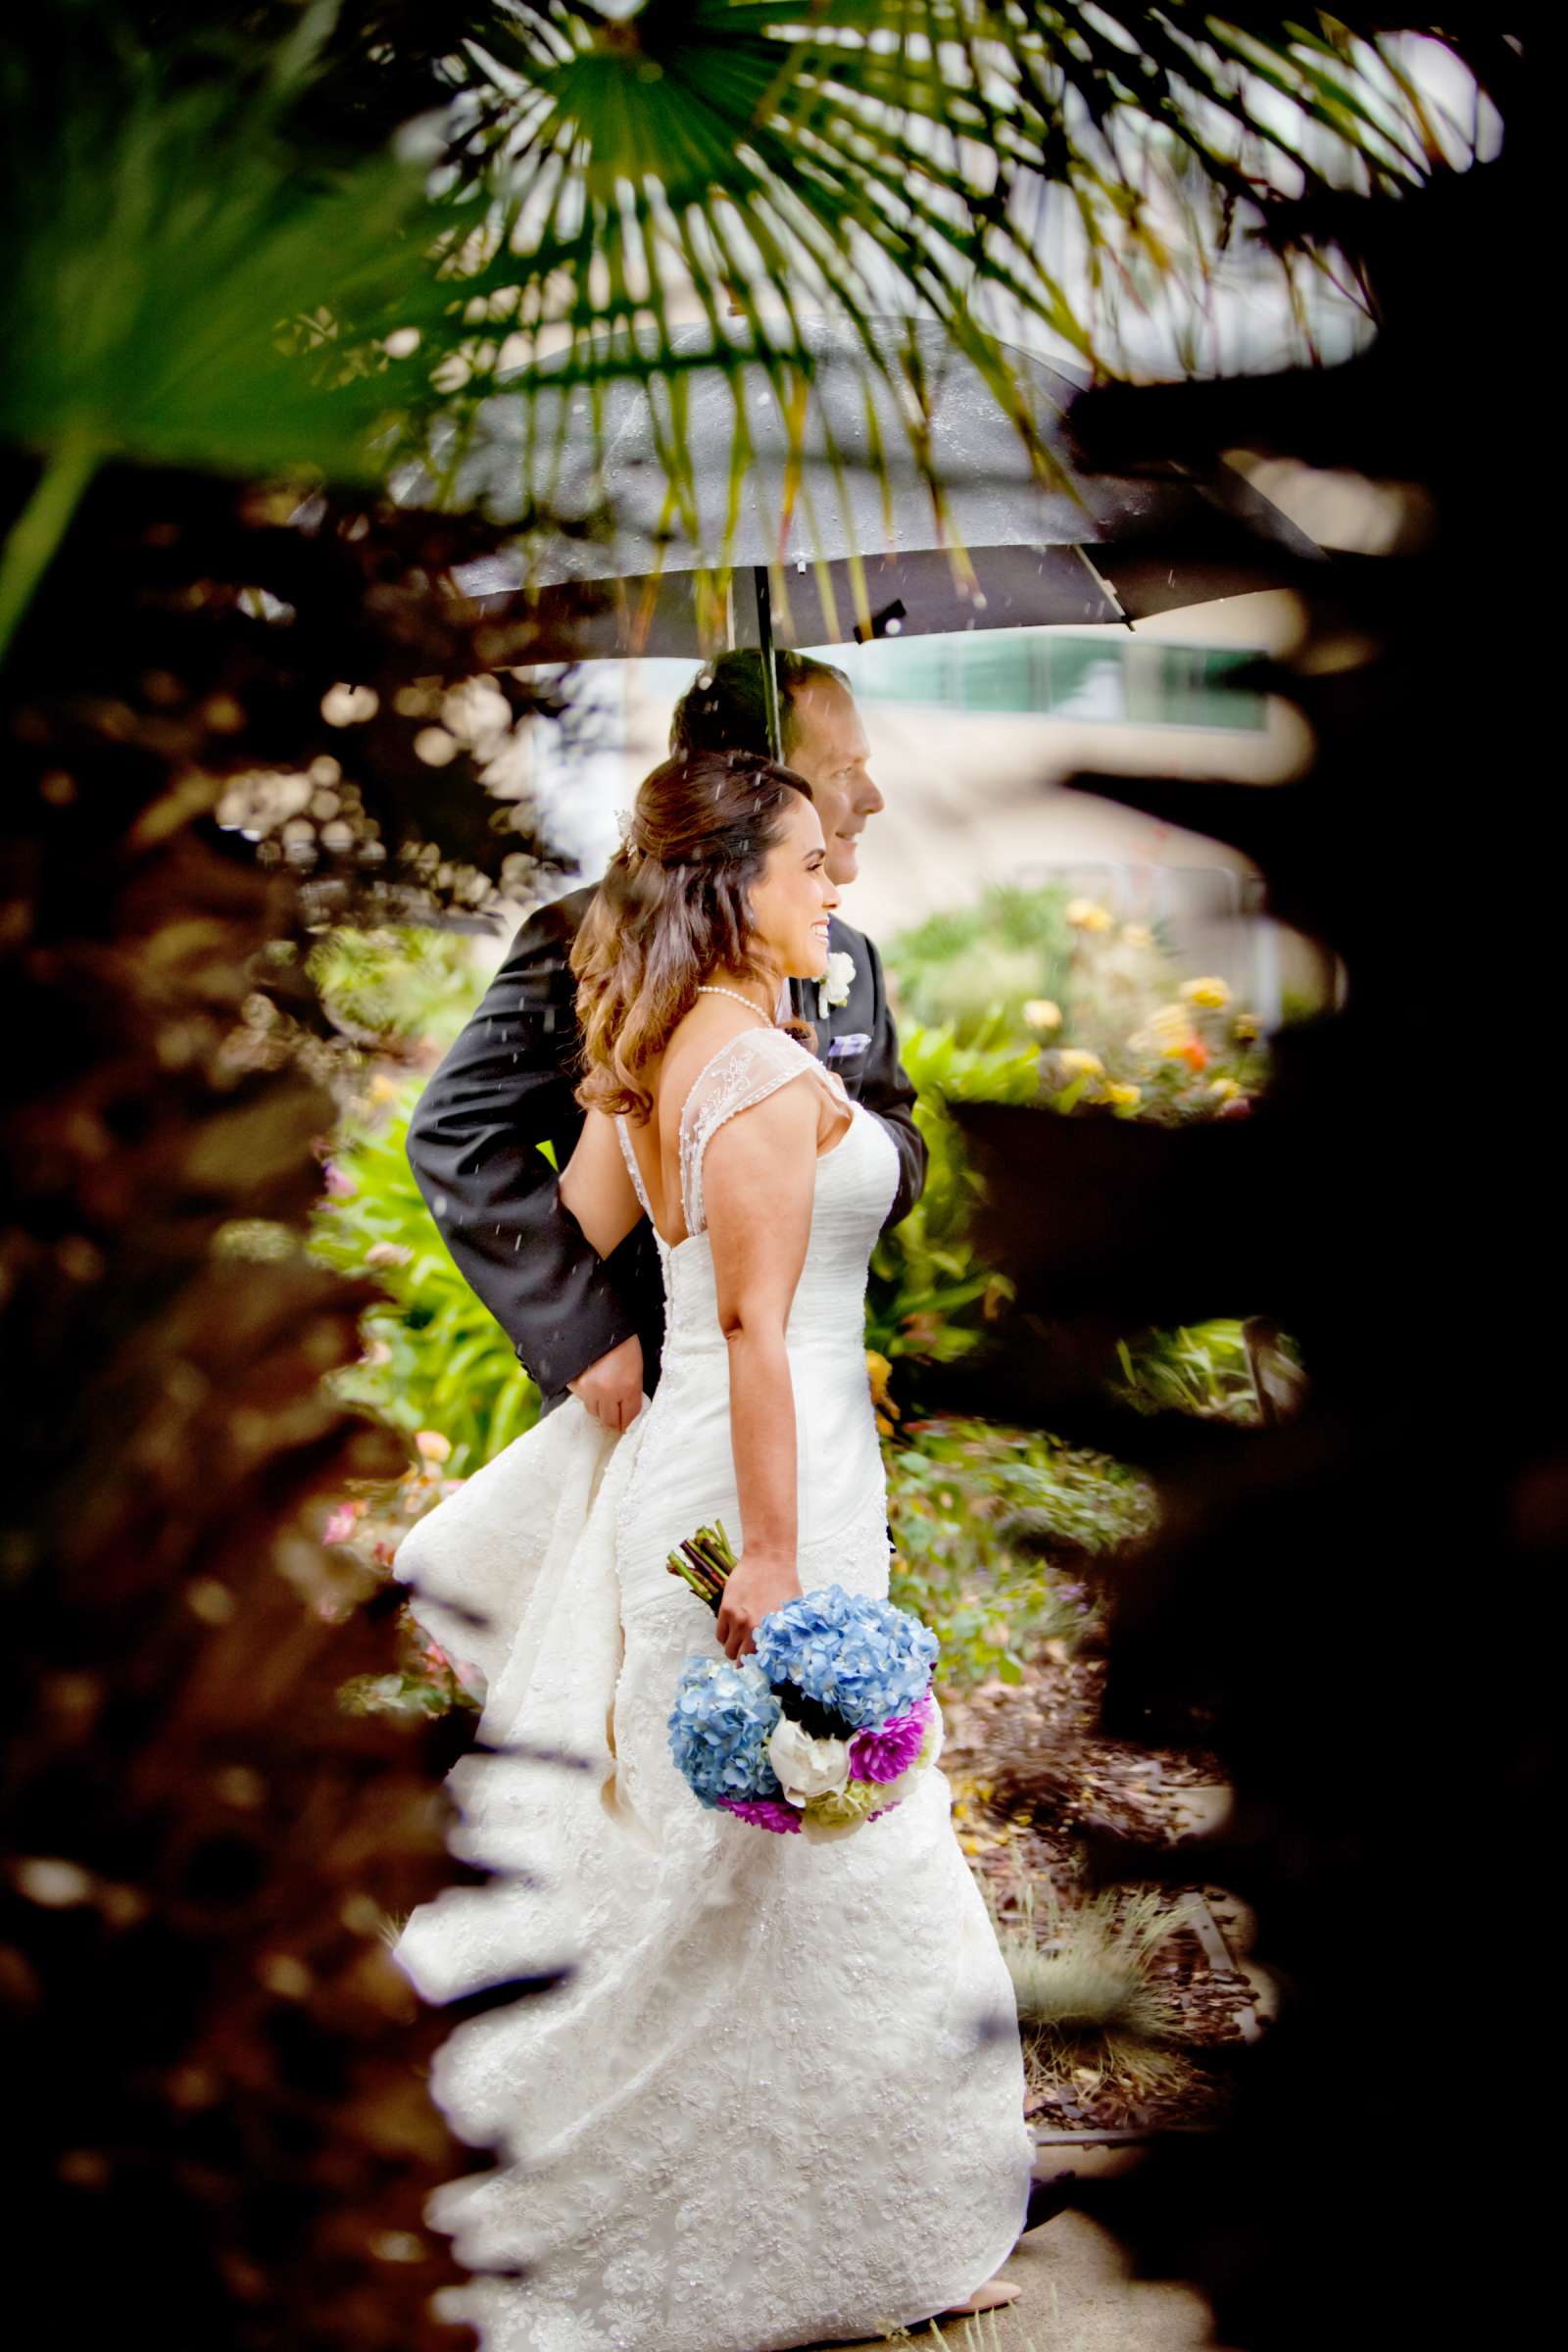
{"x": 1354, "y": 1608}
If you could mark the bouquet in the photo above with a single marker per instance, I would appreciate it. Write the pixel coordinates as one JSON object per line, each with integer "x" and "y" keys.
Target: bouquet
{"x": 827, "y": 1726}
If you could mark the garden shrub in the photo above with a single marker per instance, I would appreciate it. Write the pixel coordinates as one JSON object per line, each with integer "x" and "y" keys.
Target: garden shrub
{"x": 929, "y": 1293}
{"x": 974, "y": 969}
{"x": 434, "y": 1357}
{"x": 991, "y": 1527}
{"x": 1202, "y": 1368}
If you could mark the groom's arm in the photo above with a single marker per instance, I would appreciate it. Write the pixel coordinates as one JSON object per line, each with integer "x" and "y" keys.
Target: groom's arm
{"x": 885, "y": 1088}
{"x": 504, "y": 1088}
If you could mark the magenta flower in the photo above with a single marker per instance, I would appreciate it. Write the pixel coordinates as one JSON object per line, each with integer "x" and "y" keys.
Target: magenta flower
{"x": 885, "y": 1752}
{"x": 762, "y": 1812}
{"x": 339, "y": 1184}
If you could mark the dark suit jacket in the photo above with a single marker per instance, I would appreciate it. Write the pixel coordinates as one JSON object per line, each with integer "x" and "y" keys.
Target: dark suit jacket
{"x": 505, "y": 1087}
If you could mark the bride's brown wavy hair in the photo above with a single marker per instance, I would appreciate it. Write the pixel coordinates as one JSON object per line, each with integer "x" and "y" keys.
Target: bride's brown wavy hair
{"x": 673, "y": 907}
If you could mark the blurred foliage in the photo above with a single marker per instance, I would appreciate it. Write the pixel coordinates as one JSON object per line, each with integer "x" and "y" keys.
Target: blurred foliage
{"x": 1140, "y": 1036}
{"x": 977, "y": 967}
{"x": 1117, "y": 1021}
{"x": 220, "y": 2064}
{"x": 180, "y": 291}
{"x": 991, "y": 1528}
{"x": 226, "y": 622}
{"x": 402, "y": 988}
{"x": 434, "y": 1359}
{"x": 1207, "y": 1370}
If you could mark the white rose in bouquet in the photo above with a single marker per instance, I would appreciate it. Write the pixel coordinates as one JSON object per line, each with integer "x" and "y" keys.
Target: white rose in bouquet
{"x": 807, "y": 1767}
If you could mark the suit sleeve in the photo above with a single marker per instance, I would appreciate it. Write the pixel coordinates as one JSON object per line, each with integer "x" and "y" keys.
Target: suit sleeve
{"x": 504, "y": 1088}
{"x": 885, "y": 1088}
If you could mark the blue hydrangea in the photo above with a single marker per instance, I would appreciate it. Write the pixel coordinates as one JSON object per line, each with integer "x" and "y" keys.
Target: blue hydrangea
{"x": 720, "y": 1728}
{"x": 849, "y": 1651}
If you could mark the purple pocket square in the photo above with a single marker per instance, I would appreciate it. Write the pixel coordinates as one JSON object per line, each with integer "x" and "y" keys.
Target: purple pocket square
{"x": 839, "y": 1046}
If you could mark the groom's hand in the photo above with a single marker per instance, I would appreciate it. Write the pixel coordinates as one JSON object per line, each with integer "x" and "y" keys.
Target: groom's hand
{"x": 612, "y": 1387}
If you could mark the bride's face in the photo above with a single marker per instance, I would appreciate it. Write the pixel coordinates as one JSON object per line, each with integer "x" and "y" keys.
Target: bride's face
{"x": 794, "y": 896}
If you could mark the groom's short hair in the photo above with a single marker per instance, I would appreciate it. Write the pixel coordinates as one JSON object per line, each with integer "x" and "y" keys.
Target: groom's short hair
{"x": 725, "y": 709}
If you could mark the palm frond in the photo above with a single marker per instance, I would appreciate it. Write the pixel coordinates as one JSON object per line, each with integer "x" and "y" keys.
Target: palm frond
{"x": 738, "y": 169}
{"x": 183, "y": 291}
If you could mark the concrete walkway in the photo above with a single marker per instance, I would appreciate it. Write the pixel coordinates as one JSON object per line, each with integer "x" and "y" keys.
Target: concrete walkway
{"x": 1077, "y": 2297}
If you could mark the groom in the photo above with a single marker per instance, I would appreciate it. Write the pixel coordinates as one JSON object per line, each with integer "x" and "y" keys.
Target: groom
{"x": 581, "y": 1323}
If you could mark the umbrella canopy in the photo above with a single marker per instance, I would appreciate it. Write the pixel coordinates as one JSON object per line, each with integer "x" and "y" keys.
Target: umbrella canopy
{"x": 842, "y": 546}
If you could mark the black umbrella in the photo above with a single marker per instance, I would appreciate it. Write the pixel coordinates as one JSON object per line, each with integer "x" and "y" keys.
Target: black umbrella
{"x": 835, "y": 546}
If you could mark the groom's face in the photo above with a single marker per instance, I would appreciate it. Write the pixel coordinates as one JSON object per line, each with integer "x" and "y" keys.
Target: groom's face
{"x": 828, "y": 748}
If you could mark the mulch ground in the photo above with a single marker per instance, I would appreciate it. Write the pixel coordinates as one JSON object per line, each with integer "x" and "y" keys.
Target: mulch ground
{"x": 1031, "y": 1777}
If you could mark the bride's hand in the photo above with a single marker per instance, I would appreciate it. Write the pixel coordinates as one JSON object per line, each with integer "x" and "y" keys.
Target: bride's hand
{"x": 753, "y": 1588}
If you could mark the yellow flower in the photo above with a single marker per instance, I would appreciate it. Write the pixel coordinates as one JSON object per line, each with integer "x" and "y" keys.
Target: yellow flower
{"x": 1209, "y": 991}
{"x": 1123, "y": 1097}
{"x": 1079, "y": 1062}
{"x": 383, "y": 1089}
{"x": 1088, "y": 914}
{"x": 1137, "y": 935}
{"x": 1042, "y": 1014}
{"x": 879, "y": 1372}
{"x": 1171, "y": 1028}
{"x": 1224, "y": 1090}
{"x": 1246, "y": 1026}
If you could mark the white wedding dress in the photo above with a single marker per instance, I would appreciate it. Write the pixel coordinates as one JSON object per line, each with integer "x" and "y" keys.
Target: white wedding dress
{"x": 780, "y": 2100}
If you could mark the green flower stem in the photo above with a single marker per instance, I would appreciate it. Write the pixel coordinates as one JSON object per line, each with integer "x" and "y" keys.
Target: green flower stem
{"x": 704, "y": 1562}
{"x": 701, "y": 1572}
{"x": 690, "y": 1577}
{"x": 34, "y": 537}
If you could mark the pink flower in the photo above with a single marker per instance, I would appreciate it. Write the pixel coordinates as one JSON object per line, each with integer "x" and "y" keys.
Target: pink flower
{"x": 884, "y": 1753}
{"x": 436, "y": 1656}
{"x": 762, "y": 1812}
{"x": 339, "y": 1186}
{"x": 339, "y": 1528}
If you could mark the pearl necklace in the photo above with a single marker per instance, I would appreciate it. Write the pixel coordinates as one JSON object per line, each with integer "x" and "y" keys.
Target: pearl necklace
{"x": 705, "y": 989}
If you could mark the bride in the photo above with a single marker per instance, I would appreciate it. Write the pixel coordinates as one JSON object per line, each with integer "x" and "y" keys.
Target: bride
{"x": 777, "y": 2098}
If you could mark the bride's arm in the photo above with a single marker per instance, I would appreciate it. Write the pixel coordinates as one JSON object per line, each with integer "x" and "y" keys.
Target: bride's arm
{"x": 596, "y": 1186}
{"x": 758, "y": 1178}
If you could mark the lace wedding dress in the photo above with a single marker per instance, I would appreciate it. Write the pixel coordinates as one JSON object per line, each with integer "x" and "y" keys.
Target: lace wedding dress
{"x": 779, "y": 2101}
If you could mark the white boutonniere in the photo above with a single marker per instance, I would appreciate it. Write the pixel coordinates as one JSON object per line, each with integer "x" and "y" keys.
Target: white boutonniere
{"x": 835, "y": 983}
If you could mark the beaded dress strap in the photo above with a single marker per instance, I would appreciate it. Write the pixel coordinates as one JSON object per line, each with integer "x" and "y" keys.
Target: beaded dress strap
{"x": 747, "y": 1068}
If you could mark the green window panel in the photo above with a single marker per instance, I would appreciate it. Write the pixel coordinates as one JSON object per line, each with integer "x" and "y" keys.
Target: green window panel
{"x": 1113, "y": 681}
